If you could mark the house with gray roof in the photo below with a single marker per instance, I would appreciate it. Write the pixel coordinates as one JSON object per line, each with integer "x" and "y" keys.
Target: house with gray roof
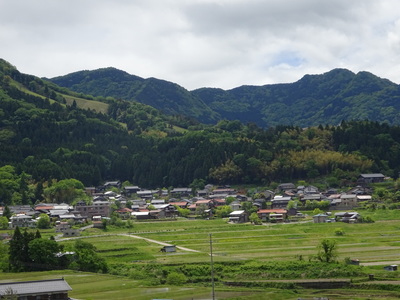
{"x": 40, "y": 289}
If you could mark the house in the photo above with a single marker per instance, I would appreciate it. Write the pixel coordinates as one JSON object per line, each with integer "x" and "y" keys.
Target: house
{"x": 310, "y": 190}
{"x": 141, "y": 215}
{"x": 124, "y": 213}
{"x": 280, "y": 202}
{"x": 347, "y": 217}
{"x": 22, "y": 210}
{"x": 238, "y": 216}
{"x": 236, "y": 205}
{"x": 268, "y": 195}
{"x": 390, "y": 268}
{"x": 71, "y": 232}
{"x": 146, "y": 194}
{"x": 364, "y": 198}
{"x": 181, "y": 192}
{"x": 223, "y": 191}
{"x": 286, "y": 186}
{"x": 51, "y": 289}
{"x": 180, "y": 204}
{"x": 62, "y": 226}
{"x": 98, "y": 208}
{"x": 278, "y": 214}
{"x": 370, "y": 178}
{"x": 219, "y": 202}
{"x": 312, "y": 197}
{"x": 22, "y": 221}
{"x": 164, "y": 211}
{"x": 348, "y": 201}
{"x": 360, "y": 190}
{"x": 90, "y": 190}
{"x": 207, "y": 203}
{"x": 171, "y": 248}
{"x": 109, "y": 184}
{"x": 157, "y": 201}
{"x": 130, "y": 190}
{"x": 320, "y": 218}
{"x": 202, "y": 193}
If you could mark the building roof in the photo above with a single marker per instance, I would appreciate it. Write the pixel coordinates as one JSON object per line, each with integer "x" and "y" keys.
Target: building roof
{"x": 36, "y": 287}
{"x": 273, "y": 211}
{"x": 181, "y": 203}
{"x": 375, "y": 175}
{"x": 237, "y": 212}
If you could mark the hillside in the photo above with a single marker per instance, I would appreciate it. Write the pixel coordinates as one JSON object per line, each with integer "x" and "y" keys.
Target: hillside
{"x": 51, "y": 133}
{"x": 314, "y": 99}
{"x": 160, "y": 94}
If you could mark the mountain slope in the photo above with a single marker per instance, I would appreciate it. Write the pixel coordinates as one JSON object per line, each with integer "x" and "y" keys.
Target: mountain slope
{"x": 314, "y": 99}
{"x": 163, "y": 95}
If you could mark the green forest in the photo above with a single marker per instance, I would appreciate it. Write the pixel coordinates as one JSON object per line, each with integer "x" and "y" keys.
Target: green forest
{"x": 49, "y": 133}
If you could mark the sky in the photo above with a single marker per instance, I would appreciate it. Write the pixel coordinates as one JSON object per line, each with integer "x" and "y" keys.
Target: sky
{"x": 203, "y": 43}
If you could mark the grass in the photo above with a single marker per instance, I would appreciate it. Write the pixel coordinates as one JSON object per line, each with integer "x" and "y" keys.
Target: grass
{"x": 241, "y": 244}
{"x": 97, "y": 106}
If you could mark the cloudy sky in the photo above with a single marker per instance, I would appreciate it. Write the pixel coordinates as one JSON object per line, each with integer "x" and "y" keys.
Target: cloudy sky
{"x": 203, "y": 43}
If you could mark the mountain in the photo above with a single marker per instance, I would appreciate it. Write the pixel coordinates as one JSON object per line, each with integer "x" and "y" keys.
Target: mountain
{"x": 50, "y": 133}
{"x": 166, "y": 96}
{"x": 315, "y": 99}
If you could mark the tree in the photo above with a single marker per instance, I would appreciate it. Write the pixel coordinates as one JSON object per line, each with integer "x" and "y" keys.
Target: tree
{"x": 249, "y": 207}
{"x": 183, "y": 212}
{"x": 87, "y": 259}
{"x": 19, "y": 259}
{"x": 66, "y": 191}
{"x": 197, "y": 184}
{"x": 175, "y": 278}
{"x": 223, "y": 211}
{"x": 3, "y": 223}
{"x": 327, "y": 251}
{"x": 43, "y": 252}
{"x": 4, "y": 257}
{"x": 43, "y": 221}
{"x": 7, "y": 212}
{"x": 254, "y": 218}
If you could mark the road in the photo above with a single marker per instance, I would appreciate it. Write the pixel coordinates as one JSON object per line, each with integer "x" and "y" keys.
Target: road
{"x": 129, "y": 235}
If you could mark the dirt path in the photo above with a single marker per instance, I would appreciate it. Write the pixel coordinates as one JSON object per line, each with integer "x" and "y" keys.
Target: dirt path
{"x": 380, "y": 263}
{"x": 158, "y": 242}
{"x": 132, "y": 236}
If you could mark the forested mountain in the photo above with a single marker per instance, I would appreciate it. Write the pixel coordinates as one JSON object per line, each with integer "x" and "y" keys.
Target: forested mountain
{"x": 315, "y": 99}
{"x": 48, "y": 133}
{"x": 166, "y": 96}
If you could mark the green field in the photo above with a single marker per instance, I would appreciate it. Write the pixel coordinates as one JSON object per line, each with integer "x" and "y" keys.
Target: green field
{"x": 245, "y": 253}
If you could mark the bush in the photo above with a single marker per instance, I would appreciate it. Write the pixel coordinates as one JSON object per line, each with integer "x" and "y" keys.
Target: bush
{"x": 339, "y": 231}
{"x": 175, "y": 278}
{"x": 367, "y": 219}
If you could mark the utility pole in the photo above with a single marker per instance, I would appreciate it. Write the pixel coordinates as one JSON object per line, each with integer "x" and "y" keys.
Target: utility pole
{"x": 212, "y": 269}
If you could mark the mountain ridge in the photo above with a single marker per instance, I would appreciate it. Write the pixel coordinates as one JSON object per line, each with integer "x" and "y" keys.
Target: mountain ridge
{"x": 327, "y": 98}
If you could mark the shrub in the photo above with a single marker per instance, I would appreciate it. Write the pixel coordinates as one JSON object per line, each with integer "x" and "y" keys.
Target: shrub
{"x": 339, "y": 231}
{"x": 175, "y": 278}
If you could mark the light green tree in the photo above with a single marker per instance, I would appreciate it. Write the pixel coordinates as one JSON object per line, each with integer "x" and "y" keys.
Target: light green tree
{"x": 3, "y": 223}
{"x": 66, "y": 190}
{"x": 175, "y": 278}
{"x": 43, "y": 221}
{"x": 255, "y": 219}
{"x": 327, "y": 251}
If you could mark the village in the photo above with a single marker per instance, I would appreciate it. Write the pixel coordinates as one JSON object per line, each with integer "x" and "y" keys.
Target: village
{"x": 134, "y": 203}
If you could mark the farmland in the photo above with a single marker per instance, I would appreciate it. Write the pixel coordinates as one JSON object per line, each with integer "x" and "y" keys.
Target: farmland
{"x": 255, "y": 257}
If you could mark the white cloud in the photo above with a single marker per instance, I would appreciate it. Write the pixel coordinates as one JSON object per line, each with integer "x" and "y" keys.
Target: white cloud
{"x": 219, "y": 43}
